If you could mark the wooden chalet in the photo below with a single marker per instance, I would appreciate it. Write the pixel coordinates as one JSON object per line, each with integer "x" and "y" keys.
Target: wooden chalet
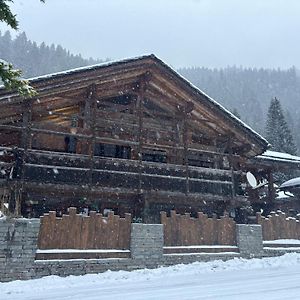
{"x": 129, "y": 136}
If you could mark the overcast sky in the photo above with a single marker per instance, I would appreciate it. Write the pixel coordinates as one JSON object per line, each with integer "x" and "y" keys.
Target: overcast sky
{"x": 211, "y": 33}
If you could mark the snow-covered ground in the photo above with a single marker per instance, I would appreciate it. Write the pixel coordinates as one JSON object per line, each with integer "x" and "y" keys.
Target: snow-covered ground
{"x": 268, "y": 278}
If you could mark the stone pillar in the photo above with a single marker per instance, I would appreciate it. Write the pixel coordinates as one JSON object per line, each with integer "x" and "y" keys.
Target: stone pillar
{"x": 249, "y": 240}
{"x": 18, "y": 245}
{"x": 147, "y": 241}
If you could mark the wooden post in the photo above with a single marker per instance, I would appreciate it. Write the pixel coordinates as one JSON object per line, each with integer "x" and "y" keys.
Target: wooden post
{"x": 231, "y": 168}
{"x": 21, "y": 158}
{"x": 139, "y": 104}
{"x": 90, "y": 111}
{"x": 144, "y": 205}
{"x": 271, "y": 190}
{"x": 26, "y": 125}
{"x": 176, "y": 141}
{"x": 185, "y": 152}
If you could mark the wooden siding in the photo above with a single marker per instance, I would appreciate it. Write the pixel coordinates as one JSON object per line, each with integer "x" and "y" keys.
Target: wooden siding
{"x": 121, "y": 173}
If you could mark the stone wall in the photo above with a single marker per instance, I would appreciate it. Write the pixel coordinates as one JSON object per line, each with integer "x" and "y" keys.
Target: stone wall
{"x": 147, "y": 241}
{"x": 18, "y": 245}
{"x": 249, "y": 240}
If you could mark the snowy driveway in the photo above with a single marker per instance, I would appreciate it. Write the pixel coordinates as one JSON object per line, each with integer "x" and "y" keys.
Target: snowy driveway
{"x": 269, "y": 278}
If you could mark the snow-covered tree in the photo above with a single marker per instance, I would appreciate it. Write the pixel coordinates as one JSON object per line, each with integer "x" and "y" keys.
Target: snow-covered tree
{"x": 8, "y": 75}
{"x": 278, "y": 132}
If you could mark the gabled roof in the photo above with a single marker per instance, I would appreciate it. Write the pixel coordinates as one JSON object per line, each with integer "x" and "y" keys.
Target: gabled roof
{"x": 84, "y": 76}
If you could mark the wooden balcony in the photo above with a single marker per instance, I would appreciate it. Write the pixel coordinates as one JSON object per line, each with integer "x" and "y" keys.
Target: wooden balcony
{"x": 54, "y": 168}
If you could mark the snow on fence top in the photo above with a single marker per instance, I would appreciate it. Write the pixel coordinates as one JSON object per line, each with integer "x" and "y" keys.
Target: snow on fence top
{"x": 278, "y": 226}
{"x": 77, "y": 231}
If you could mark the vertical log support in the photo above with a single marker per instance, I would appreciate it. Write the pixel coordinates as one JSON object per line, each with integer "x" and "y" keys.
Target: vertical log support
{"x": 233, "y": 189}
{"x": 26, "y": 124}
{"x": 90, "y": 115}
{"x": 143, "y": 203}
{"x": 140, "y": 100}
{"x": 16, "y": 201}
{"x": 271, "y": 190}
{"x": 186, "y": 110}
{"x": 175, "y": 155}
{"x": 185, "y": 152}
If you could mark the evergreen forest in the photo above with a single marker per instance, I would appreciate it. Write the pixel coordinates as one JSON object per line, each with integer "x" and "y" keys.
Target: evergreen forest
{"x": 34, "y": 59}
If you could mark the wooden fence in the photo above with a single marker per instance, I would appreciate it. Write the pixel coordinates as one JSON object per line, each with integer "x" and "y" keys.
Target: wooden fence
{"x": 81, "y": 232}
{"x": 183, "y": 230}
{"x": 278, "y": 226}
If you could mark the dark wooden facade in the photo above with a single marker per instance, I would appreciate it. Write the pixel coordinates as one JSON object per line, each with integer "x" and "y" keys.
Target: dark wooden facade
{"x": 131, "y": 136}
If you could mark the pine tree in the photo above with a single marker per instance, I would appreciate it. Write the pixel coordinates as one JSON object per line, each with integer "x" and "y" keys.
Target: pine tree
{"x": 8, "y": 75}
{"x": 277, "y": 131}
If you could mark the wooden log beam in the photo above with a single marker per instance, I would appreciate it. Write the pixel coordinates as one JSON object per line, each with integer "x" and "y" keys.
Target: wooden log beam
{"x": 90, "y": 113}
{"x": 108, "y": 193}
{"x": 231, "y": 162}
{"x": 26, "y": 141}
{"x": 185, "y": 149}
{"x": 139, "y": 112}
{"x": 81, "y": 82}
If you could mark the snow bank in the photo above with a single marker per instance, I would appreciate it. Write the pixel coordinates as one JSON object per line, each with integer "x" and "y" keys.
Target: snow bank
{"x": 16, "y": 289}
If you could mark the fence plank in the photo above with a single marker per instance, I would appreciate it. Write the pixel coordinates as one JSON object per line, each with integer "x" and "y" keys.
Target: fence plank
{"x": 75, "y": 231}
{"x": 184, "y": 230}
{"x": 278, "y": 226}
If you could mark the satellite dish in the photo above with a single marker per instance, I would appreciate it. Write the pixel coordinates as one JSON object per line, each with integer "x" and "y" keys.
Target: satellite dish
{"x": 251, "y": 179}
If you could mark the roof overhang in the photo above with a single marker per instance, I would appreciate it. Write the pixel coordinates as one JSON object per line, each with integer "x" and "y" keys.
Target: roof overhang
{"x": 277, "y": 160}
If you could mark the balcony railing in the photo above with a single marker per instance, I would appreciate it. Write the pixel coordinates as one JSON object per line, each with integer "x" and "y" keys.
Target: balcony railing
{"x": 74, "y": 169}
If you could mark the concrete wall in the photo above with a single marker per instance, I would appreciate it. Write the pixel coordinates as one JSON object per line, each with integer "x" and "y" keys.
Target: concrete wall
{"x": 18, "y": 245}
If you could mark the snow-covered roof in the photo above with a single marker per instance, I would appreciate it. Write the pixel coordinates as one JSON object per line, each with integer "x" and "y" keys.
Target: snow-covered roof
{"x": 292, "y": 183}
{"x": 284, "y": 195}
{"x": 279, "y": 157}
{"x": 90, "y": 67}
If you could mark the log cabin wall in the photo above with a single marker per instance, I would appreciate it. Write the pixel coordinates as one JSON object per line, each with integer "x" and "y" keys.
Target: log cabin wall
{"x": 128, "y": 136}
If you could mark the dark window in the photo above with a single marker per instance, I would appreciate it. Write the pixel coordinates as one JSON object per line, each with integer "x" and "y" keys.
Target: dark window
{"x": 70, "y": 144}
{"x": 108, "y": 150}
{"x": 155, "y": 156}
{"x": 200, "y": 160}
{"x": 117, "y": 103}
